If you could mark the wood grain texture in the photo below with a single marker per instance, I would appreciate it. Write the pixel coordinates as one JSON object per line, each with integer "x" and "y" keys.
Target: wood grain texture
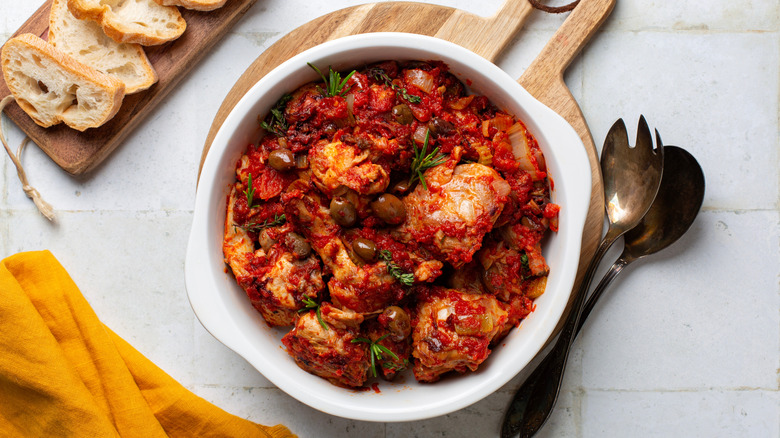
{"x": 487, "y": 36}
{"x": 78, "y": 152}
{"x": 544, "y": 80}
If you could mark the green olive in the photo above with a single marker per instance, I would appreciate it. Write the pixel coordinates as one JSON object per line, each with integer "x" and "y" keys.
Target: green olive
{"x": 298, "y": 245}
{"x": 389, "y": 208}
{"x": 266, "y": 242}
{"x": 281, "y": 160}
{"x": 398, "y": 323}
{"x": 403, "y": 114}
{"x": 343, "y": 212}
{"x": 364, "y": 248}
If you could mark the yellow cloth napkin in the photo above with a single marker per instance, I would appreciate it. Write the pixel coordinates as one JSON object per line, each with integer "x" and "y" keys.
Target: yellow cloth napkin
{"x": 63, "y": 373}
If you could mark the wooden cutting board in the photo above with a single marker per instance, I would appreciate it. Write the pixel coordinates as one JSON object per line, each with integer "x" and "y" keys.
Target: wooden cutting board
{"x": 485, "y": 36}
{"x": 79, "y": 152}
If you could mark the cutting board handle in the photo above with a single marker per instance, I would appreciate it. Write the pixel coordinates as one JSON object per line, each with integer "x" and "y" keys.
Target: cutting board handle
{"x": 567, "y": 42}
{"x": 486, "y": 36}
{"x": 544, "y": 80}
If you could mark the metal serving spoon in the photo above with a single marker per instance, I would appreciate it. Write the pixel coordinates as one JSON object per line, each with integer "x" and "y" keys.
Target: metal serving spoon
{"x": 673, "y": 211}
{"x": 675, "y": 207}
{"x": 631, "y": 180}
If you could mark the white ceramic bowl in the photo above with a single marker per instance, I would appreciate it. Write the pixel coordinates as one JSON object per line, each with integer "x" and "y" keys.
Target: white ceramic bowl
{"x": 226, "y": 313}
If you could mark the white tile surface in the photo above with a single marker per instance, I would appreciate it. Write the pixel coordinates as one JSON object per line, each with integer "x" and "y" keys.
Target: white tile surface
{"x": 686, "y": 343}
{"x": 694, "y": 414}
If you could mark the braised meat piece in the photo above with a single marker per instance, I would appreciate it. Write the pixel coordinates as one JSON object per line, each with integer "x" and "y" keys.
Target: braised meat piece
{"x": 336, "y": 164}
{"x": 452, "y": 215}
{"x": 453, "y": 331}
{"x": 275, "y": 278}
{"x": 324, "y": 346}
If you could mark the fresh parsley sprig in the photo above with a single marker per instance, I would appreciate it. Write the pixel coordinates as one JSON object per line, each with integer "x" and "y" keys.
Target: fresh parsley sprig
{"x": 275, "y": 122}
{"x": 309, "y": 304}
{"x": 275, "y": 222}
{"x": 394, "y": 270}
{"x": 380, "y": 75}
{"x": 333, "y": 82}
{"x": 423, "y": 161}
{"x": 376, "y": 350}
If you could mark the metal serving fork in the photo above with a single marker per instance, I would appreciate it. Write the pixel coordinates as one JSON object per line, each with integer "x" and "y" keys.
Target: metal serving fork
{"x": 631, "y": 180}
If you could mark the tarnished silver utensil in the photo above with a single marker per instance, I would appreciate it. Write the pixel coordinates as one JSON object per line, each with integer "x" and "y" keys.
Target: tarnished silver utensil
{"x": 675, "y": 207}
{"x": 631, "y": 179}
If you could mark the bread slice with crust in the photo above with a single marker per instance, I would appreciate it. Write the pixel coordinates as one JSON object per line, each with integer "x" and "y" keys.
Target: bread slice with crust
{"x": 52, "y": 87}
{"x": 196, "y": 5}
{"x": 142, "y": 22}
{"x": 85, "y": 41}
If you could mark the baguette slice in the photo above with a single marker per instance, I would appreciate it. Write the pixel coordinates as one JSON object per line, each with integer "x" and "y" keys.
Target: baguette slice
{"x": 85, "y": 41}
{"x": 195, "y": 5}
{"x": 51, "y": 87}
{"x": 132, "y": 21}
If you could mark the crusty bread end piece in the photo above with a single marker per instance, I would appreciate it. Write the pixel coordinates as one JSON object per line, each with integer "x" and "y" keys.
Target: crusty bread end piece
{"x": 52, "y": 87}
{"x": 195, "y": 5}
{"x": 142, "y": 22}
{"x": 86, "y": 41}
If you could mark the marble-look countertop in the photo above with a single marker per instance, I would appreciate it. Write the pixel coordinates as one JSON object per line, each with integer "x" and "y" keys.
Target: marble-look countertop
{"x": 686, "y": 343}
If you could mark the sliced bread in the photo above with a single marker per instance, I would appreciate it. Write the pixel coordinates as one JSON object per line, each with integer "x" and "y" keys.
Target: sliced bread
{"x": 142, "y": 22}
{"x": 86, "y": 41}
{"x": 52, "y": 87}
{"x": 196, "y": 5}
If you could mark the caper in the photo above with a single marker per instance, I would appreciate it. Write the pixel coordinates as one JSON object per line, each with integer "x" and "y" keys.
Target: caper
{"x": 343, "y": 212}
{"x": 281, "y": 159}
{"x": 389, "y": 208}
{"x": 364, "y": 248}
{"x": 398, "y": 323}
{"x": 298, "y": 245}
{"x": 440, "y": 127}
{"x": 403, "y": 114}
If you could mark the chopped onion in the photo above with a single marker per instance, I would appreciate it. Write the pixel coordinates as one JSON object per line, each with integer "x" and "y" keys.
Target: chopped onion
{"x": 419, "y": 79}
{"x": 301, "y": 161}
{"x": 419, "y": 133}
{"x": 554, "y": 223}
{"x": 461, "y": 103}
{"x": 350, "y": 98}
{"x": 536, "y": 287}
{"x": 521, "y": 149}
{"x": 502, "y": 123}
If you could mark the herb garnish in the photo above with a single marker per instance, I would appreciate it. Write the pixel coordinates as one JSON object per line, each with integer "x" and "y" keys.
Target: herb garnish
{"x": 333, "y": 82}
{"x": 394, "y": 270}
{"x": 277, "y": 123}
{"x": 309, "y": 304}
{"x": 275, "y": 222}
{"x": 423, "y": 161}
{"x": 376, "y": 350}
{"x": 524, "y": 265}
{"x": 380, "y": 75}
{"x": 249, "y": 192}
{"x": 395, "y": 367}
